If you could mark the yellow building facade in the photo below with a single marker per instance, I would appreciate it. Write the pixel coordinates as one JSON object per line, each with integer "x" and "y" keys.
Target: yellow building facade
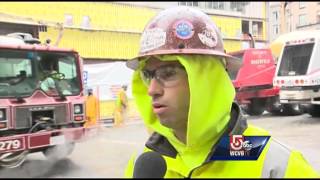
{"x": 103, "y": 30}
{"x": 113, "y": 31}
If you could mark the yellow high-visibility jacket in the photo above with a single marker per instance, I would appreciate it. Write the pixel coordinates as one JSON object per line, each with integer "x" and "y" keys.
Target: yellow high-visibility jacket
{"x": 212, "y": 114}
{"x": 122, "y": 100}
{"x": 92, "y": 110}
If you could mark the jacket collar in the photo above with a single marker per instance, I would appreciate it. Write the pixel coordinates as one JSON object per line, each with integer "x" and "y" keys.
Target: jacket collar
{"x": 236, "y": 125}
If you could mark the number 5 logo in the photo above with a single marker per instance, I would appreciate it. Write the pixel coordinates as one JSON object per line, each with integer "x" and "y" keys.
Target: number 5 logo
{"x": 236, "y": 142}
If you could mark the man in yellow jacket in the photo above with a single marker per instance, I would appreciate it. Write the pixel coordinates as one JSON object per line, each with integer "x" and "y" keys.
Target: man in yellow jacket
{"x": 184, "y": 94}
{"x": 92, "y": 109}
{"x": 121, "y": 106}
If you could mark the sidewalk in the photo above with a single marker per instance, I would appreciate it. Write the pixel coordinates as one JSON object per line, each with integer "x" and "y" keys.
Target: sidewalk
{"x": 109, "y": 122}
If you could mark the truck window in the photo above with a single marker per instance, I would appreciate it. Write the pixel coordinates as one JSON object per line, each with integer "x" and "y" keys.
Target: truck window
{"x": 295, "y": 60}
{"x": 12, "y": 63}
{"x": 63, "y": 63}
{"x": 233, "y": 73}
{"x": 15, "y": 74}
{"x": 67, "y": 67}
{"x": 13, "y": 68}
{"x": 22, "y": 71}
{"x": 70, "y": 84}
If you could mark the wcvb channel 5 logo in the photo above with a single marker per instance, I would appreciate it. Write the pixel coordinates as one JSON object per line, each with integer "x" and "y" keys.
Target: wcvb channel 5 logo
{"x": 238, "y": 146}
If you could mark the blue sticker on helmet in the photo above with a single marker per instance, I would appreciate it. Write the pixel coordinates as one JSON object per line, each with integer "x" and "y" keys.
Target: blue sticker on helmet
{"x": 184, "y": 29}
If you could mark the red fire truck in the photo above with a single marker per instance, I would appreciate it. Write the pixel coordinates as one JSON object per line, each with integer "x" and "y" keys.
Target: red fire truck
{"x": 254, "y": 83}
{"x": 41, "y": 99}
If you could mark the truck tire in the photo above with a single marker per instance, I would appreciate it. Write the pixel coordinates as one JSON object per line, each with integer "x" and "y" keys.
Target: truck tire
{"x": 12, "y": 159}
{"x": 274, "y": 111}
{"x": 58, "y": 152}
{"x": 314, "y": 110}
{"x": 273, "y": 105}
{"x": 292, "y": 109}
{"x": 256, "y": 107}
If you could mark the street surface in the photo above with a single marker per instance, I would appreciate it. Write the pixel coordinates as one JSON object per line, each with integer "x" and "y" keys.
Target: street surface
{"x": 297, "y": 132}
{"x": 106, "y": 155}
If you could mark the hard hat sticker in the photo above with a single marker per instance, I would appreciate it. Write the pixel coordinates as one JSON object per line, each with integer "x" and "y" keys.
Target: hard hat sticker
{"x": 208, "y": 37}
{"x": 152, "y": 38}
{"x": 183, "y": 29}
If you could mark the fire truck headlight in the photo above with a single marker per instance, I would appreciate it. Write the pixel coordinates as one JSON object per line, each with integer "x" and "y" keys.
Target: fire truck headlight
{"x": 78, "y": 109}
{"x": 2, "y": 114}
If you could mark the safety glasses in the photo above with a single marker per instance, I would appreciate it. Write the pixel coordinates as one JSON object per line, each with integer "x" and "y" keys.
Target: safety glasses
{"x": 166, "y": 75}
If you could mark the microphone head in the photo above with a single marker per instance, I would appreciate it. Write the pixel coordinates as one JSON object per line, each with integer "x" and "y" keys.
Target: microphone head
{"x": 150, "y": 165}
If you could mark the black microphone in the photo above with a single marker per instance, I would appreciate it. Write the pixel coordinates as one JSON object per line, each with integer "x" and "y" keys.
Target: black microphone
{"x": 150, "y": 165}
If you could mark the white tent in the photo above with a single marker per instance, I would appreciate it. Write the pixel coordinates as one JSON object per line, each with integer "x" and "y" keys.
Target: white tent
{"x": 107, "y": 78}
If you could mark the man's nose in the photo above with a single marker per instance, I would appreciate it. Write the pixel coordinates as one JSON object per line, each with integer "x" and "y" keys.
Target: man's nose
{"x": 155, "y": 88}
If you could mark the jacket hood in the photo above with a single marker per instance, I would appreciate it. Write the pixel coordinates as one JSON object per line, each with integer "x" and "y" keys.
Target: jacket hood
{"x": 211, "y": 97}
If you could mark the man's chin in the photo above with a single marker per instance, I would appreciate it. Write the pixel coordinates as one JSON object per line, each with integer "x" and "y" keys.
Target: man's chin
{"x": 165, "y": 122}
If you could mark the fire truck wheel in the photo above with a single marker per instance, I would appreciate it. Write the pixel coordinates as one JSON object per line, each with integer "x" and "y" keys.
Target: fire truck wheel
{"x": 292, "y": 109}
{"x": 256, "y": 107}
{"x": 58, "y": 152}
{"x": 12, "y": 160}
{"x": 314, "y": 110}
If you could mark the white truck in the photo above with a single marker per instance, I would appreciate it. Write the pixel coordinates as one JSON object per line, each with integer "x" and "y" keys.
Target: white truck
{"x": 298, "y": 71}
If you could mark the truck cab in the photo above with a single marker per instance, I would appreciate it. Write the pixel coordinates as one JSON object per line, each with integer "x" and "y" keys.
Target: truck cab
{"x": 253, "y": 83}
{"x": 41, "y": 99}
{"x": 298, "y": 71}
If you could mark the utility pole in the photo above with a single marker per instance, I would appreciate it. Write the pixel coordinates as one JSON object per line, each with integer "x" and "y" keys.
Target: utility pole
{"x": 60, "y": 28}
{"x": 283, "y": 25}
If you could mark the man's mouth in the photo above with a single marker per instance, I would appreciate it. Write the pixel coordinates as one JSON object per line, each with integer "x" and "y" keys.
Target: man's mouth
{"x": 159, "y": 108}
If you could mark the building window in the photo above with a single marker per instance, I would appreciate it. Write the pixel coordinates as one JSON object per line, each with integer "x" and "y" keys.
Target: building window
{"x": 275, "y": 29}
{"x": 318, "y": 17}
{"x": 215, "y": 5}
{"x": 85, "y": 22}
{"x": 188, "y": 3}
{"x": 238, "y": 6}
{"x": 302, "y": 19}
{"x": 275, "y": 15}
{"x": 257, "y": 29}
{"x": 302, "y": 4}
{"x": 209, "y": 5}
{"x": 42, "y": 28}
{"x": 220, "y": 5}
{"x": 245, "y": 26}
{"x": 68, "y": 19}
{"x": 196, "y": 4}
